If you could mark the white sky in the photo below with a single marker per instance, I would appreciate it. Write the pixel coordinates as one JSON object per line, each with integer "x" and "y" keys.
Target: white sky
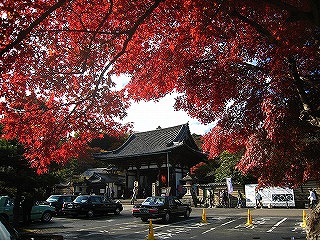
{"x": 148, "y": 116}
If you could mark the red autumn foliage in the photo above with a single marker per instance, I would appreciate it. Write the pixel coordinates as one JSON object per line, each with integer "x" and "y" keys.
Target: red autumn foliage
{"x": 252, "y": 66}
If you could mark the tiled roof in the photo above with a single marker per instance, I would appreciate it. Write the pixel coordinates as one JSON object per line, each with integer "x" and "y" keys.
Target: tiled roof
{"x": 89, "y": 172}
{"x": 152, "y": 142}
{"x": 100, "y": 177}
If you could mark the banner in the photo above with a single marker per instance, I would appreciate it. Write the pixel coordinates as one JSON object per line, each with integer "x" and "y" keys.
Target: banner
{"x": 229, "y": 185}
{"x": 271, "y": 196}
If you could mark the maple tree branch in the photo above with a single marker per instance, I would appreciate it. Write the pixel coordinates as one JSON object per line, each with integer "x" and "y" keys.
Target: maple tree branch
{"x": 85, "y": 31}
{"x": 250, "y": 66}
{"x": 130, "y": 34}
{"x": 283, "y": 5}
{"x": 87, "y": 49}
{"x": 21, "y": 36}
{"x": 298, "y": 83}
{"x": 307, "y": 113}
{"x": 259, "y": 28}
{"x": 297, "y": 13}
{"x": 236, "y": 64}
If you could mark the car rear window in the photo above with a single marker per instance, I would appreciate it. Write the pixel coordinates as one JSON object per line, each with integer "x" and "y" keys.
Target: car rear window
{"x": 154, "y": 201}
{"x": 53, "y": 199}
{"x": 81, "y": 199}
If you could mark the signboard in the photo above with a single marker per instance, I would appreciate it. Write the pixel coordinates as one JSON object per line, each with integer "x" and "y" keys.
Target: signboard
{"x": 153, "y": 189}
{"x": 229, "y": 185}
{"x": 271, "y": 197}
{"x": 165, "y": 191}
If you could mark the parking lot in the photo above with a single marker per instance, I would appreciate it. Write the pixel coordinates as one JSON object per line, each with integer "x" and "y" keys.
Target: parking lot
{"x": 221, "y": 224}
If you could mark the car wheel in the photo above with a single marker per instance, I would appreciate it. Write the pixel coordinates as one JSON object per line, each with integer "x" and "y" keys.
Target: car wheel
{"x": 46, "y": 217}
{"x": 166, "y": 217}
{"x": 187, "y": 213}
{"x": 144, "y": 219}
{"x": 117, "y": 211}
{"x": 90, "y": 214}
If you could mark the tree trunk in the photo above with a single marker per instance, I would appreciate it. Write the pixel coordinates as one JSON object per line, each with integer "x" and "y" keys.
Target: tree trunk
{"x": 313, "y": 223}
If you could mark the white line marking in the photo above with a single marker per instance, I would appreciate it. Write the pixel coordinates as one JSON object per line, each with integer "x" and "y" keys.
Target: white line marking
{"x": 209, "y": 230}
{"x": 277, "y": 224}
{"x": 223, "y": 224}
{"x": 228, "y": 222}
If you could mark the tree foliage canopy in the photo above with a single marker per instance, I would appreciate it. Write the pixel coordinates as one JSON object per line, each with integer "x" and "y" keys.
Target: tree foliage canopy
{"x": 252, "y": 66}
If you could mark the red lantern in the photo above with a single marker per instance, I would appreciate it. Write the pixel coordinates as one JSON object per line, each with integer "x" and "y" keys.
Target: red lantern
{"x": 163, "y": 179}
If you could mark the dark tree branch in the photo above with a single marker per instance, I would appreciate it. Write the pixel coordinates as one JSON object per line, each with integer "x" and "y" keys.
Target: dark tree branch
{"x": 259, "y": 28}
{"x": 129, "y": 37}
{"x": 296, "y": 13}
{"x": 308, "y": 113}
{"x": 22, "y": 35}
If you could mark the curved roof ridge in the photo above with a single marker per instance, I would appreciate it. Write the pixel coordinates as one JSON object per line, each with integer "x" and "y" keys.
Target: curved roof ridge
{"x": 159, "y": 129}
{"x": 123, "y": 145}
{"x": 145, "y": 132}
{"x": 152, "y": 142}
{"x": 183, "y": 131}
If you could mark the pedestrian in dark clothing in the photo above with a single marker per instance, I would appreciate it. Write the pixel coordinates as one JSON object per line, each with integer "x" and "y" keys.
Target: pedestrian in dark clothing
{"x": 258, "y": 200}
{"x": 239, "y": 198}
{"x": 211, "y": 200}
{"x": 224, "y": 198}
{"x": 112, "y": 193}
{"x": 27, "y": 204}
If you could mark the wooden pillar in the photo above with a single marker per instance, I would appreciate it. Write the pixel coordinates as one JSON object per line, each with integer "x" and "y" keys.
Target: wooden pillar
{"x": 138, "y": 179}
{"x": 126, "y": 190}
{"x": 158, "y": 178}
{"x": 168, "y": 171}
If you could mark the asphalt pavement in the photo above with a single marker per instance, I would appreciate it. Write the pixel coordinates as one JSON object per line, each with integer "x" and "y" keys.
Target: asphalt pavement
{"x": 221, "y": 224}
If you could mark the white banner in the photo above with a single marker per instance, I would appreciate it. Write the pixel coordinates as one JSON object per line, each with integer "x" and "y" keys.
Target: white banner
{"x": 229, "y": 185}
{"x": 271, "y": 197}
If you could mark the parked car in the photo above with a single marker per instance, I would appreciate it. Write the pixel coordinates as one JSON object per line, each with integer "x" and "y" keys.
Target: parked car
{"x": 38, "y": 212}
{"x": 91, "y": 205}
{"x": 57, "y": 201}
{"x": 8, "y": 232}
{"x": 164, "y": 207}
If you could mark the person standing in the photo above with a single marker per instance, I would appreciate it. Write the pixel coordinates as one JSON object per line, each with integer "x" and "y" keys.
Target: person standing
{"x": 312, "y": 198}
{"x": 239, "y": 198}
{"x": 211, "y": 200}
{"x": 258, "y": 200}
{"x": 112, "y": 193}
{"x": 224, "y": 199}
{"x": 27, "y": 205}
{"x": 134, "y": 195}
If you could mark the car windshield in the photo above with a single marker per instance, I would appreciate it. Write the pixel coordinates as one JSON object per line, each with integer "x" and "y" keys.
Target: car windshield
{"x": 81, "y": 199}
{"x": 154, "y": 201}
{"x": 53, "y": 199}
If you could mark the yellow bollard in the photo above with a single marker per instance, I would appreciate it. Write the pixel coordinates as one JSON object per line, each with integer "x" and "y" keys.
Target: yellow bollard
{"x": 249, "y": 218}
{"x": 204, "y": 216}
{"x": 304, "y": 219}
{"x": 151, "y": 232}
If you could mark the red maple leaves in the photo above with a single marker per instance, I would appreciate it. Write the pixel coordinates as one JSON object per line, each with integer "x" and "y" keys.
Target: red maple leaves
{"x": 250, "y": 66}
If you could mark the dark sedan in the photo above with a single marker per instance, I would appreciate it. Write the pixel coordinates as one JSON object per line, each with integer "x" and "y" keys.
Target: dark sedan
{"x": 91, "y": 205}
{"x": 57, "y": 201}
{"x": 164, "y": 207}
